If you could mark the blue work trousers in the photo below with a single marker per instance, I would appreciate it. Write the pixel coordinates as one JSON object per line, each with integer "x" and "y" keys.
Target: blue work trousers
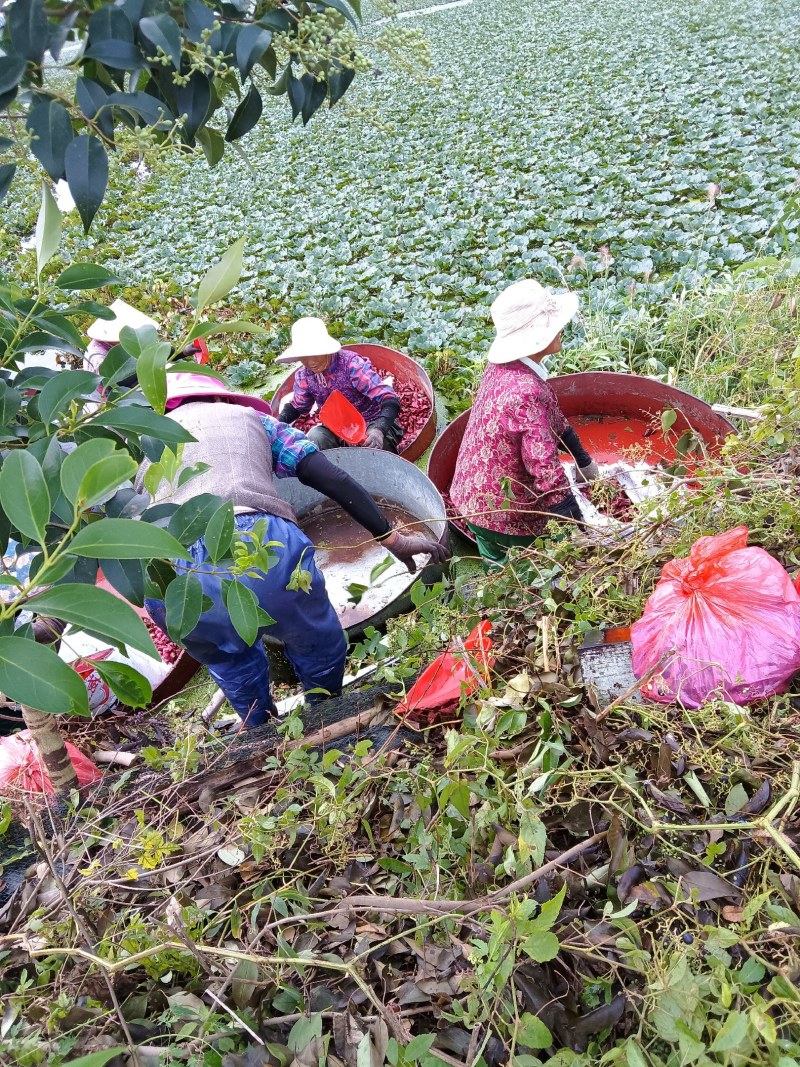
{"x": 307, "y": 624}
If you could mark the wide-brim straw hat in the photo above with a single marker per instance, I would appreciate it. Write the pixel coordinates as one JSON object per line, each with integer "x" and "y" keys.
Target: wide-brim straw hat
{"x": 310, "y": 338}
{"x": 125, "y": 315}
{"x": 183, "y": 386}
{"x": 527, "y": 317}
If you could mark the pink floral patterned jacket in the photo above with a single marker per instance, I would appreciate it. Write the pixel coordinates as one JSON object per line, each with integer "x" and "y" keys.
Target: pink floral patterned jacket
{"x": 508, "y": 473}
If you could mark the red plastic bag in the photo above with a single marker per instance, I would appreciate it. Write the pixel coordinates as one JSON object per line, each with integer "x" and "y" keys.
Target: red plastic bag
{"x": 22, "y": 767}
{"x": 732, "y": 616}
{"x": 454, "y": 674}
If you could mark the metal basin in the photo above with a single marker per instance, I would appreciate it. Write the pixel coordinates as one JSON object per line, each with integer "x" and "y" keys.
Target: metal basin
{"x": 612, "y": 413}
{"x": 350, "y": 560}
{"x": 404, "y": 369}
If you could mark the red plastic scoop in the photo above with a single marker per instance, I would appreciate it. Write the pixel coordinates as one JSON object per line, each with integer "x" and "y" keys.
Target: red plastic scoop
{"x": 339, "y": 416}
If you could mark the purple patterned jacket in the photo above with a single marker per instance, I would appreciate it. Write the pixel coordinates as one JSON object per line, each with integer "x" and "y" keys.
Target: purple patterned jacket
{"x": 354, "y": 377}
{"x": 508, "y": 473}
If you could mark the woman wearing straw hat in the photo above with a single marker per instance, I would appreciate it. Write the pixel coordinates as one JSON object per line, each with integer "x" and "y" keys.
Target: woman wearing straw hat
{"x": 509, "y": 482}
{"x": 326, "y": 367}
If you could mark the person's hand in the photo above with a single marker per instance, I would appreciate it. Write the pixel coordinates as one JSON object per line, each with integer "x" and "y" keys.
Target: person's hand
{"x": 406, "y": 546}
{"x": 589, "y": 473}
{"x": 374, "y": 438}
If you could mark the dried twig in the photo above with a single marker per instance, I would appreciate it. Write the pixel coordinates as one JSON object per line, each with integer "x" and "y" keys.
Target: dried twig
{"x": 414, "y": 906}
{"x": 646, "y": 677}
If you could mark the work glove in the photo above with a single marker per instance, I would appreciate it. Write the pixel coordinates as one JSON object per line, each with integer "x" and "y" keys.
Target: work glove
{"x": 406, "y": 546}
{"x": 589, "y": 473}
{"x": 374, "y": 438}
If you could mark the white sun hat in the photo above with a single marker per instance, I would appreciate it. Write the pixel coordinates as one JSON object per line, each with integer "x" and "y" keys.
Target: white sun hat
{"x": 527, "y": 317}
{"x": 310, "y": 338}
{"x": 109, "y": 329}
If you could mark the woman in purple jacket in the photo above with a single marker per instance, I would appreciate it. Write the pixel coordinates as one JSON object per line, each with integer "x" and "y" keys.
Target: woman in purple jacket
{"x": 327, "y": 366}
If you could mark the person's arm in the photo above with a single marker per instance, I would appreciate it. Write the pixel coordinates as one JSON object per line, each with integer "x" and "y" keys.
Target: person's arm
{"x": 588, "y": 470}
{"x": 301, "y": 402}
{"x": 319, "y": 473}
{"x": 294, "y": 456}
{"x": 289, "y": 413}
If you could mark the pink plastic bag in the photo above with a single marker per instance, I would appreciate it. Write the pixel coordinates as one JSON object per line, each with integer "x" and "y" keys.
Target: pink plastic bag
{"x": 22, "y": 768}
{"x": 732, "y": 616}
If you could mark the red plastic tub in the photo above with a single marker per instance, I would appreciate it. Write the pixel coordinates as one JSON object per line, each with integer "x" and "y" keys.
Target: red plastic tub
{"x": 404, "y": 369}
{"x": 612, "y": 413}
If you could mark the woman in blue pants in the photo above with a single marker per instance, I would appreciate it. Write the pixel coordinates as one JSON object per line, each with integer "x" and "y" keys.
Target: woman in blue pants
{"x": 246, "y": 448}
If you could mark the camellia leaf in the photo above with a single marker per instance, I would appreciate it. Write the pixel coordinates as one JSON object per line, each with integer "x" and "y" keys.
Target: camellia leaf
{"x": 51, "y": 129}
{"x": 34, "y": 675}
{"x": 221, "y": 278}
{"x": 184, "y": 604}
{"x": 246, "y": 115}
{"x": 339, "y": 80}
{"x": 243, "y": 609}
{"x": 193, "y": 101}
{"x": 214, "y": 329}
{"x": 313, "y": 98}
{"x": 77, "y": 463}
{"x": 48, "y": 230}
{"x": 85, "y": 276}
{"x": 125, "y": 539}
{"x": 63, "y": 388}
{"x": 162, "y": 31}
{"x": 151, "y": 372}
{"x": 219, "y": 532}
{"x": 126, "y": 683}
{"x": 213, "y": 144}
{"x": 28, "y": 28}
{"x": 7, "y": 172}
{"x": 251, "y": 44}
{"x": 127, "y": 577}
{"x": 132, "y": 418}
{"x": 142, "y": 107}
{"x": 92, "y": 98}
{"x": 86, "y": 167}
{"x": 24, "y": 495}
{"x": 11, "y": 70}
{"x": 191, "y": 519}
{"x": 119, "y": 55}
{"x": 104, "y": 478}
{"x": 90, "y": 608}
{"x": 136, "y": 340}
{"x": 10, "y": 400}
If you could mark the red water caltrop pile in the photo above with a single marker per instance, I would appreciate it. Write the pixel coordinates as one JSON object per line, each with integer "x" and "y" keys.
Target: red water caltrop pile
{"x": 168, "y": 651}
{"x": 415, "y": 410}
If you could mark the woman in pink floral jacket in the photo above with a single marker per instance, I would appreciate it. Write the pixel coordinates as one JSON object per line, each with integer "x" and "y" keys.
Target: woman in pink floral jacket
{"x": 509, "y": 482}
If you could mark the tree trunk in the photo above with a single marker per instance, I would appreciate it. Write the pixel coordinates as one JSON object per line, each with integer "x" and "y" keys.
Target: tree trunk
{"x": 50, "y": 744}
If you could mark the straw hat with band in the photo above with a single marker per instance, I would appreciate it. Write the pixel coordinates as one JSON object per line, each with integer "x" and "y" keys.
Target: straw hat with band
{"x": 310, "y": 338}
{"x": 125, "y": 315}
{"x": 527, "y": 318}
{"x": 185, "y": 386}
